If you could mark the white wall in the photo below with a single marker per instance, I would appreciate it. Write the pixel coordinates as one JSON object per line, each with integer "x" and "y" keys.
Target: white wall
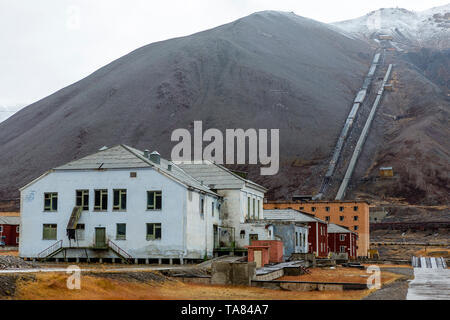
{"x": 179, "y": 238}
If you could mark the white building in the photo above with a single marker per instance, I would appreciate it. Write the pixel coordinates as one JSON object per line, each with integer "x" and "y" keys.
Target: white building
{"x": 119, "y": 203}
{"x": 242, "y": 210}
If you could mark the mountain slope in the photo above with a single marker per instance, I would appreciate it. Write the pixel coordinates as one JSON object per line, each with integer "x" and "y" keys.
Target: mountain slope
{"x": 267, "y": 70}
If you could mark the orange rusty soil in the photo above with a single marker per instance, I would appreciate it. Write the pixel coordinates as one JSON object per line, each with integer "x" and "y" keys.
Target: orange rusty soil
{"x": 9, "y": 253}
{"x": 53, "y": 287}
{"x": 340, "y": 274}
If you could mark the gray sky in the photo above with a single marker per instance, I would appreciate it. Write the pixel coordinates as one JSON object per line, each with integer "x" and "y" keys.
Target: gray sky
{"x": 49, "y": 44}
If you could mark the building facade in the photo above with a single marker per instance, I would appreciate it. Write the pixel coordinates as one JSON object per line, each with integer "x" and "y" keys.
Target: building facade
{"x": 118, "y": 203}
{"x": 9, "y": 231}
{"x": 317, "y": 229}
{"x": 342, "y": 240}
{"x": 351, "y": 214}
{"x": 294, "y": 236}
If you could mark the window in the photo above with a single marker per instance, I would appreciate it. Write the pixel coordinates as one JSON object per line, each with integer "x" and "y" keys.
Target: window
{"x": 50, "y": 201}
{"x": 327, "y": 209}
{"x": 1, "y": 228}
{"x": 153, "y": 231}
{"x": 82, "y": 199}
{"x": 355, "y": 228}
{"x": 343, "y": 249}
{"x": 248, "y": 207}
{"x": 133, "y": 174}
{"x": 302, "y": 208}
{"x": 17, "y": 229}
{"x": 17, "y": 239}
{"x": 296, "y": 239}
{"x": 342, "y": 237}
{"x": 341, "y": 218}
{"x": 242, "y": 234}
{"x": 259, "y": 204}
{"x": 327, "y": 218}
{"x": 341, "y": 209}
{"x": 49, "y": 232}
{"x": 79, "y": 232}
{"x": 121, "y": 231}
{"x": 213, "y": 207}
{"x": 101, "y": 200}
{"x": 202, "y": 206}
{"x": 313, "y": 209}
{"x": 355, "y": 218}
{"x": 154, "y": 200}
{"x": 120, "y": 199}
{"x": 355, "y": 208}
{"x": 254, "y": 210}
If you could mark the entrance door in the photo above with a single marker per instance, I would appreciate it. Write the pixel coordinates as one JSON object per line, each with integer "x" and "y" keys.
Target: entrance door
{"x": 257, "y": 255}
{"x": 100, "y": 237}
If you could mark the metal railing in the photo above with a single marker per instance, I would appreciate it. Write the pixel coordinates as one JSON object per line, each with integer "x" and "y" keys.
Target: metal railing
{"x": 119, "y": 250}
{"x": 53, "y": 248}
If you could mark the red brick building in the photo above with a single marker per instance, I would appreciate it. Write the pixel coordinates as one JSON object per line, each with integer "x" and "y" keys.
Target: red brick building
{"x": 342, "y": 240}
{"x": 317, "y": 228}
{"x": 9, "y": 231}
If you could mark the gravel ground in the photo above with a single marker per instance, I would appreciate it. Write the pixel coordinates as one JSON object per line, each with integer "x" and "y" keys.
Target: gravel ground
{"x": 396, "y": 290}
{"x": 11, "y": 262}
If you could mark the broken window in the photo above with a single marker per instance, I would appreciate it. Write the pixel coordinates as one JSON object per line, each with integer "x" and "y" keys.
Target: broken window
{"x": 341, "y": 209}
{"x": 79, "y": 232}
{"x": 101, "y": 200}
{"x": 121, "y": 231}
{"x": 259, "y": 205}
{"x": 50, "y": 201}
{"x": 82, "y": 199}
{"x": 202, "y": 206}
{"x": 154, "y": 200}
{"x": 153, "y": 231}
{"x": 119, "y": 199}
{"x": 49, "y": 232}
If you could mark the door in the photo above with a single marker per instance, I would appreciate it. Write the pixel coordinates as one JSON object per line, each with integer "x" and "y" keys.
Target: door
{"x": 100, "y": 237}
{"x": 258, "y": 258}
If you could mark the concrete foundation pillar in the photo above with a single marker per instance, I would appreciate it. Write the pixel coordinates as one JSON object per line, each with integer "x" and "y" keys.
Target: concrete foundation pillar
{"x": 146, "y": 261}
{"x": 181, "y": 261}
{"x": 100, "y": 260}
{"x": 171, "y": 261}
{"x": 135, "y": 261}
{"x": 159, "y": 261}
{"x": 56, "y": 259}
{"x": 77, "y": 260}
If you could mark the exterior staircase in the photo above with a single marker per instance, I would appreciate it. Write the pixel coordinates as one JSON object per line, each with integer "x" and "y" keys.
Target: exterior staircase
{"x": 120, "y": 252}
{"x": 51, "y": 251}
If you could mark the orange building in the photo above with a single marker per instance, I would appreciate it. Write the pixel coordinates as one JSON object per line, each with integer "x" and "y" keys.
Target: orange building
{"x": 352, "y": 214}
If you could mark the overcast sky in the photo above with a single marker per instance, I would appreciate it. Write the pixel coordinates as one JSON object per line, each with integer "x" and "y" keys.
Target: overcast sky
{"x": 49, "y": 44}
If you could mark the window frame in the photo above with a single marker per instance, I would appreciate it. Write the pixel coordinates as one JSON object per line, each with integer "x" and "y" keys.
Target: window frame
{"x": 124, "y": 236}
{"x": 17, "y": 229}
{"x": 153, "y": 235}
{"x": 119, "y": 207}
{"x": 56, "y": 231}
{"x": 84, "y": 193}
{"x": 78, "y": 232}
{"x": 342, "y": 251}
{"x": 53, "y": 199}
{"x": 342, "y": 237}
{"x": 155, "y": 195}
{"x": 1, "y": 228}
{"x": 102, "y": 192}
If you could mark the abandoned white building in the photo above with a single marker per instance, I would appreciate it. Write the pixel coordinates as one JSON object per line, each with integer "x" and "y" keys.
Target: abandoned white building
{"x": 242, "y": 210}
{"x": 125, "y": 204}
